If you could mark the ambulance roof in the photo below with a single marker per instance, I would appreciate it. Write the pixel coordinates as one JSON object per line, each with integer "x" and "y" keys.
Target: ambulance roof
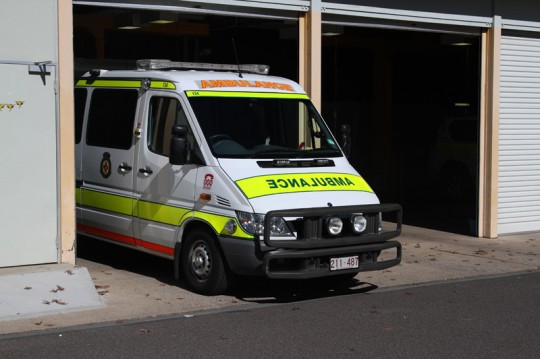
{"x": 193, "y": 80}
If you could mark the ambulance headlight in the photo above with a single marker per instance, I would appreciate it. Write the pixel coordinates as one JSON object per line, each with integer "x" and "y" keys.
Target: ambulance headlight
{"x": 334, "y": 225}
{"x": 253, "y": 223}
{"x": 359, "y": 223}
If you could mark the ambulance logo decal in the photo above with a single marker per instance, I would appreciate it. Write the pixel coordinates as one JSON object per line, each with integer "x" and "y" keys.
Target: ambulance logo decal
{"x": 105, "y": 165}
{"x": 208, "y": 181}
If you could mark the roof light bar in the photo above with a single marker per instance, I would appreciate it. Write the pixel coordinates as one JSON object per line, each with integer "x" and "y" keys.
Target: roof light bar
{"x": 156, "y": 64}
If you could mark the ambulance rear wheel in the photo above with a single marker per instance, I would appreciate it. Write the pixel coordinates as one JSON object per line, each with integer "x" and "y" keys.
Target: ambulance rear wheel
{"x": 202, "y": 264}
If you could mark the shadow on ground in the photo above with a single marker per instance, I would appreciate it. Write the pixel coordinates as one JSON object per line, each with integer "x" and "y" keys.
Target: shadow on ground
{"x": 247, "y": 289}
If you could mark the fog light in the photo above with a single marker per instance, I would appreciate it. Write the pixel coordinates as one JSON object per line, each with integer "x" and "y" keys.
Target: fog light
{"x": 334, "y": 225}
{"x": 359, "y": 223}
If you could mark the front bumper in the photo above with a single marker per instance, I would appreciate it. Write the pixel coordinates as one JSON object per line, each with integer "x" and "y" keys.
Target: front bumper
{"x": 304, "y": 264}
{"x": 310, "y": 254}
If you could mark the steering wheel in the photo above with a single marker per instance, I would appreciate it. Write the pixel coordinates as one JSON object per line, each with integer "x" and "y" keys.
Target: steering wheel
{"x": 218, "y": 138}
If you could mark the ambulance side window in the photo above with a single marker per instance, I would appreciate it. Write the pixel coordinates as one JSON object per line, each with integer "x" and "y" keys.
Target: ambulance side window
{"x": 164, "y": 113}
{"x": 80, "y": 101}
{"x": 111, "y": 117}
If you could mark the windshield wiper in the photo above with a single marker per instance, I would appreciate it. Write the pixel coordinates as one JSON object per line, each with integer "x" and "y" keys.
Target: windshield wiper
{"x": 317, "y": 153}
{"x": 266, "y": 153}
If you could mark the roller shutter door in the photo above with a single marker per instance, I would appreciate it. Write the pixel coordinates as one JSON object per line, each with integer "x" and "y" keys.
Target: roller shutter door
{"x": 519, "y": 141}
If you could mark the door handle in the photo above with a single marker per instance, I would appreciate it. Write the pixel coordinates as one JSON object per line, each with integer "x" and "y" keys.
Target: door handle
{"x": 145, "y": 171}
{"x": 124, "y": 168}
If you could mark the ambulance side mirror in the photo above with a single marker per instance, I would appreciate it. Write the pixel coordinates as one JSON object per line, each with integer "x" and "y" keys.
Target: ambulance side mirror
{"x": 179, "y": 153}
{"x": 345, "y": 139}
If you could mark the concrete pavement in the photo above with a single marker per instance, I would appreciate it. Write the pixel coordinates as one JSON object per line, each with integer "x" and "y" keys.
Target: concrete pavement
{"x": 114, "y": 284}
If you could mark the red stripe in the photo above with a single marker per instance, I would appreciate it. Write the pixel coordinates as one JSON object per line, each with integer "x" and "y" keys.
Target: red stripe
{"x": 126, "y": 239}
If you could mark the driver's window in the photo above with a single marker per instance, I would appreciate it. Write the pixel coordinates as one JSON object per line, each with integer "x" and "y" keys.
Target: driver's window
{"x": 164, "y": 113}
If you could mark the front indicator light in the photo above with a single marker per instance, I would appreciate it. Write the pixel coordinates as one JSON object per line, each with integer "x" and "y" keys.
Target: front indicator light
{"x": 359, "y": 223}
{"x": 334, "y": 225}
{"x": 230, "y": 226}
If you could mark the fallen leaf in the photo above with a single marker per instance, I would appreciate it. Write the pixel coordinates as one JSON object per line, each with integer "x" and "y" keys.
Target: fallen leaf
{"x": 57, "y": 289}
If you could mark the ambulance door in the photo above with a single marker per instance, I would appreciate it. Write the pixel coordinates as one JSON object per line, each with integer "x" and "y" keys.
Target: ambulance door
{"x": 165, "y": 192}
{"x": 108, "y": 163}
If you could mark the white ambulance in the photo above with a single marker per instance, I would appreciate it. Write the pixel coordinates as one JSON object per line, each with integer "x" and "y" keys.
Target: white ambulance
{"x": 226, "y": 171}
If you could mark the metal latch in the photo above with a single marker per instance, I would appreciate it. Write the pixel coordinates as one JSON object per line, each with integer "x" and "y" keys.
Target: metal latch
{"x": 41, "y": 68}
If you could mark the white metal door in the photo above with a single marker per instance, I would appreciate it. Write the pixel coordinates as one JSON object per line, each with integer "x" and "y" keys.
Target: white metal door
{"x": 107, "y": 164}
{"x": 519, "y": 144}
{"x": 28, "y": 178}
{"x": 165, "y": 192}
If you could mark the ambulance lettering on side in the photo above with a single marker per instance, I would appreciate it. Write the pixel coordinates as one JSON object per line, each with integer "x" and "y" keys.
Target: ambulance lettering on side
{"x": 226, "y": 171}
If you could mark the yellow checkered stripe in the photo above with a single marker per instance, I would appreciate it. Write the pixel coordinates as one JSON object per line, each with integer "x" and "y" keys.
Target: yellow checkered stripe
{"x": 155, "y": 212}
{"x": 301, "y": 182}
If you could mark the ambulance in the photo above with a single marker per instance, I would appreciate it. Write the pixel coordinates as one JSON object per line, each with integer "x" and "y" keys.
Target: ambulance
{"x": 227, "y": 172}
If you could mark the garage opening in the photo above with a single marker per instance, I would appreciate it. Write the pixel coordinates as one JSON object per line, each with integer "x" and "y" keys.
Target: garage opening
{"x": 412, "y": 101}
{"x": 410, "y": 97}
{"x": 114, "y": 38}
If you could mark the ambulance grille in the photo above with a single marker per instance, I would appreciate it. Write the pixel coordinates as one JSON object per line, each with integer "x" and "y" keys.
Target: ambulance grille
{"x": 310, "y": 228}
{"x": 223, "y": 201}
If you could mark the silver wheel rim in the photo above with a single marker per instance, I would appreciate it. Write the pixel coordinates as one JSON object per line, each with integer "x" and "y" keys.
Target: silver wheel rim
{"x": 201, "y": 263}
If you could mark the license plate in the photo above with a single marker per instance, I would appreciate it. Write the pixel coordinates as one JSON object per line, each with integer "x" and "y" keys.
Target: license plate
{"x": 343, "y": 263}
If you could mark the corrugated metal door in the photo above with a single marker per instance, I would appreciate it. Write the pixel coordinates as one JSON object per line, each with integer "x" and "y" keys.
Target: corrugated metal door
{"x": 519, "y": 150}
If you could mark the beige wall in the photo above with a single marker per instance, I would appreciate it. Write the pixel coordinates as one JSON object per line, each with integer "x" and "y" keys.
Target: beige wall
{"x": 66, "y": 121}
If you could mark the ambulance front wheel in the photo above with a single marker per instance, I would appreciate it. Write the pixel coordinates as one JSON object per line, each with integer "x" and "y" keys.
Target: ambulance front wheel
{"x": 202, "y": 264}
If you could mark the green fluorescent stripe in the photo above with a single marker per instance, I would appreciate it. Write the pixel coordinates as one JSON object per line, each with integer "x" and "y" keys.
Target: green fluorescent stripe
{"x": 78, "y": 196}
{"x": 218, "y": 223}
{"x": 154, "y": 84}
{"x": 161, "y": 213}
{"x": 162, "y": 85}
{"x": 246, "y": 94}
{"x": 156, "y": 212}
{"x": 109, "y": 202}
{"x": 110, "y": 83}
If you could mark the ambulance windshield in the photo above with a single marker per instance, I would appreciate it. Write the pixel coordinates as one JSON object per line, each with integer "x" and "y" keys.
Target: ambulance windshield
{"x": 246, "y": 127}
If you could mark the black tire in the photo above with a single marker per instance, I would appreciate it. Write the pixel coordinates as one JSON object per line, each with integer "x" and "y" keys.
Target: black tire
{"x": 202, "y": 264}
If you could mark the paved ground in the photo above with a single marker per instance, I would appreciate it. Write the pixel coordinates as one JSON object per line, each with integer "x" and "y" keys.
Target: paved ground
{"x": 106, "y": 288}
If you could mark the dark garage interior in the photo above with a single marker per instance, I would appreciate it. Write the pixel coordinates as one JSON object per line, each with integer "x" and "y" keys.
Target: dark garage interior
{"x": 411, "y": 98}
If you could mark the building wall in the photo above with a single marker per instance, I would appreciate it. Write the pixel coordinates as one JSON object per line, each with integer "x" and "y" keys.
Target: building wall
{"x": 28, "y": 142}
{"x": 28, "y": 30}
